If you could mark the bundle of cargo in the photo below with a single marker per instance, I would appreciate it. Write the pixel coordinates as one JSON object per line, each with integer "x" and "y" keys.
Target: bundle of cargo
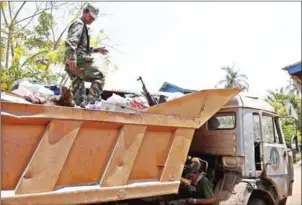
{"x": 33, "y": 85}
{"x": 23, "y": 95}
{"x": 11, "y": 97}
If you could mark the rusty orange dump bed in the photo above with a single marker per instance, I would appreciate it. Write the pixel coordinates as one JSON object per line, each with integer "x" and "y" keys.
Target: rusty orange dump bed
{"x": 61, "y": 155}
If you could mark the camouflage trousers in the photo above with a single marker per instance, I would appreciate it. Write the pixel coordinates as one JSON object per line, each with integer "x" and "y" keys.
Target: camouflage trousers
{"x": 86, "y": 72}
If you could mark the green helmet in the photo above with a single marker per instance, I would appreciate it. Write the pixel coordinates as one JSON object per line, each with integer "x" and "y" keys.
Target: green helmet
{"x": 94, "y": 11}
{"x": 195, "y": 166}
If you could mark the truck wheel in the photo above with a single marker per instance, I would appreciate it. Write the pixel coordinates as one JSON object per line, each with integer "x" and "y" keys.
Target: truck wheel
{"x": 283, "y": 201}
{"x": 256, "y": 201}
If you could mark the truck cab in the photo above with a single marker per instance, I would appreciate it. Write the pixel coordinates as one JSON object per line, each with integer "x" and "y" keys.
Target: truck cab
{"x": 249, "y": 162}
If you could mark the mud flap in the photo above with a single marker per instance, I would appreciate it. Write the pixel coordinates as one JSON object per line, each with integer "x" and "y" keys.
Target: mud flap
{"x": 240, "y": 194}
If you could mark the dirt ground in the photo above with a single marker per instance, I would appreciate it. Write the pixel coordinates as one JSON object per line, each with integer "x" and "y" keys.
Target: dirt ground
{"x": 295, "y": 199}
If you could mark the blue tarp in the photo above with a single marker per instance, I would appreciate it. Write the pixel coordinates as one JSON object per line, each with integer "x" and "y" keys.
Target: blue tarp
{"x": 294, "y": 69}
{"x": 171, "y": 88}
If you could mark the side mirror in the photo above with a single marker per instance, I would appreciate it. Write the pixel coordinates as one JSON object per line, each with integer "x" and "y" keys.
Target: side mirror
{"x": 294, "y": 142}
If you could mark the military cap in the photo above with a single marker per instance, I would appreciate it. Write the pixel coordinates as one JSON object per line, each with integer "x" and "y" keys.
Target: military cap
{"x": 194, "y": 166}
{"x": 94, "y": 11}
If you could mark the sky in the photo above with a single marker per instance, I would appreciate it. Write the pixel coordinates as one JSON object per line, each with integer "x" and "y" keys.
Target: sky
{"x": 187, "y": 43}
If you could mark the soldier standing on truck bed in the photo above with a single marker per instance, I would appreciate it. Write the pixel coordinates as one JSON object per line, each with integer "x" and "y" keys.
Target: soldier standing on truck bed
{"x": 79, "y": 63}
{"x": 199, "y": 191}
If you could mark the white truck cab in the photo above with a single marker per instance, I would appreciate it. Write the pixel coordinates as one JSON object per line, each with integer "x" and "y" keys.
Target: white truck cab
{"x": 249, "y": 162}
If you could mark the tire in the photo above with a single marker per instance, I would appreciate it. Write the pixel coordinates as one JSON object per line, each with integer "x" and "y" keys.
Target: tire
{"x": 283, "y": 201}
{"x": 256, "y": 201}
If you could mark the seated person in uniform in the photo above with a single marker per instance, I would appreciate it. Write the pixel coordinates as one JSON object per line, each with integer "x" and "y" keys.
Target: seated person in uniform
{"x": 197, "y": 188}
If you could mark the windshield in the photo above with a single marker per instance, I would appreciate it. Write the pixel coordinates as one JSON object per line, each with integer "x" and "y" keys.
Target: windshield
{"x": 222, "y": 121}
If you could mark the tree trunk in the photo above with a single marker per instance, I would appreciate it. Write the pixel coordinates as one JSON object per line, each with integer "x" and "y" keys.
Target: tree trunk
{"x": 7, "y": 49}
{"x": 12, "y": 49}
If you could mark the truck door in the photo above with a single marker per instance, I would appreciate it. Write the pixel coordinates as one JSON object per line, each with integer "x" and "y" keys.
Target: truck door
{"x": 294, "y": 147}
{"x": 275, "y": 153}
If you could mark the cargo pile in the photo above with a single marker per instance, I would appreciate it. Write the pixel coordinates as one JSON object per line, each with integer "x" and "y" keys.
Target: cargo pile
{"x": 34, "y": 92}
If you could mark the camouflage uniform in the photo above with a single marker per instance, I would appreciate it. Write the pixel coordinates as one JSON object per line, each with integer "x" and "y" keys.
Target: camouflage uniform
{"x": 78, "y": 48}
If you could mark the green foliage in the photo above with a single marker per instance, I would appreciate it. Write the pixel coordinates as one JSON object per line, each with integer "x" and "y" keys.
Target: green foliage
{"x": 5, "y": 81}
{"x": 3, "y": 4}
{"x": 298, "y": 157}
{"x": 2, "y": 47}
{"x": 234, "y": 79}
{"x": 289, "y": 125}
{"x": 100, "y": 38}
{"x": 34, "y": 42}
{"x": 46, "y": 22}
{"x": 33, "y": 46}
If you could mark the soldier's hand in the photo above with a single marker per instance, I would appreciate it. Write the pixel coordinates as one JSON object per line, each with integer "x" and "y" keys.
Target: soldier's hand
{"x": 72, "y": 64}
{"x": 103, "y": 51}
{"x": 185, "y": 181}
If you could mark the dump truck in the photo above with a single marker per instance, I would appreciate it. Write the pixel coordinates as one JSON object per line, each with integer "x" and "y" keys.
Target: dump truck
{"x": 64, "y": 155}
